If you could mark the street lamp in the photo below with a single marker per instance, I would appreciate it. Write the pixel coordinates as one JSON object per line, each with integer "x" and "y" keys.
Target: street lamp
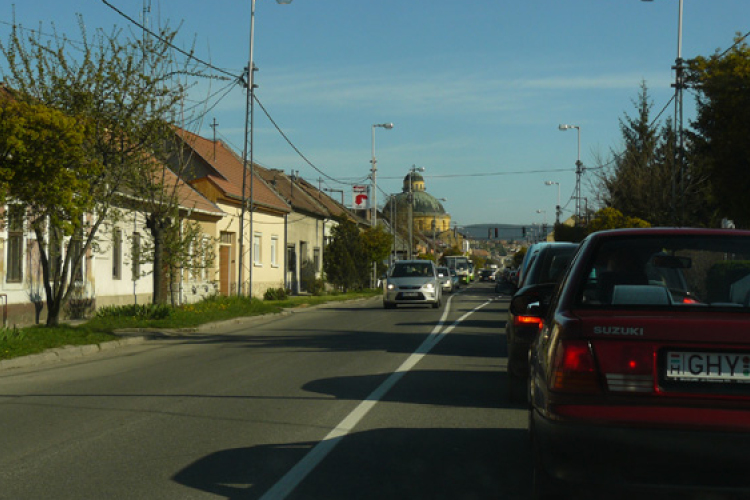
{"x": 679, "y": 85}
{"x": 579, "y": 171}
{"x": 413, "y": 169}
{"x": 374, "y": 169}
{"x": 544, "y": 215}
{"x": 557, "y": 209}
{"x": 250, "y": 86}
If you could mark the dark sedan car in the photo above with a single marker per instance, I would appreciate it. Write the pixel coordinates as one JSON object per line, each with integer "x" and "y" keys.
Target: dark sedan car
{"x": 640, "y": 376}
{"x": 545, "y": 270}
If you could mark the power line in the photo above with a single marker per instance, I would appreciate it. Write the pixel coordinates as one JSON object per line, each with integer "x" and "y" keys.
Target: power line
{"x": 273, "y": 122}
{"x": 739, "y": 40}
{"x": 189, "y": 55}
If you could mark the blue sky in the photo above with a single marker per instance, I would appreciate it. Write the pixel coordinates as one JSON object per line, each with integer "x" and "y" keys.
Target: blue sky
{"x": 475, "y": 89}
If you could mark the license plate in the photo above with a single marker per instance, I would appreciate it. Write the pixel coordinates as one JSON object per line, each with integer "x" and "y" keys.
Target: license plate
{"x": 708, "y": 367}
{"x": 411, "y": 294}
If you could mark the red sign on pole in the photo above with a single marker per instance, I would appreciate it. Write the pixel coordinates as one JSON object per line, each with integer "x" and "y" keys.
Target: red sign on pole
{"x": 359, "y": 196}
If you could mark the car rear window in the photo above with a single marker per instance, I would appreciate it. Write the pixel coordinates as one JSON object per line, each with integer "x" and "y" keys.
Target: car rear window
{"x": 668, "y": 271}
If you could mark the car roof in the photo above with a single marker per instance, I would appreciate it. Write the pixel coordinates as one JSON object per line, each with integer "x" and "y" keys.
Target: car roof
{"x": 668, "y": 231}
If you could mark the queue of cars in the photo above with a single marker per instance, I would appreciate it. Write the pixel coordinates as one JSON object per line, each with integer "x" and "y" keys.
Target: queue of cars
{"x": 639, "y": 376}
{"x": 545, "y": 265}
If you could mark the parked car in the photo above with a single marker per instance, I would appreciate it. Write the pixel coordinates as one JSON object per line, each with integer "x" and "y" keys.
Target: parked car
{"x": 446, "y": 279}
{"x": 640, "y": 376}
{"x": 412, "y": 282}
{"x": 545, "y": 271}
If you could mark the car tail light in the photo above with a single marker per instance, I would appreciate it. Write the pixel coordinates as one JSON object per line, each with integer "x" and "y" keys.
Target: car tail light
{"x": 574, "y": 368}
{"x": 627, "y": 366}
{"x": 527, "y": 321}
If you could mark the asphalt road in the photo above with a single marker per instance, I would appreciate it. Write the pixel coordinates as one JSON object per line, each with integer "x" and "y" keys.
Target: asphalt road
{"x": 346, "y": 401}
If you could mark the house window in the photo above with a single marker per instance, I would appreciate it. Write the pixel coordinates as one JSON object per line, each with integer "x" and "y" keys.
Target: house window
{"x": 274, "y": 251}
{"x": 257, "y": 249}
{"x": 15, "y": 244}
{"x": 117, "y": 254}
{"x": 135, "y": 256}
{"x": 316, "y": 259}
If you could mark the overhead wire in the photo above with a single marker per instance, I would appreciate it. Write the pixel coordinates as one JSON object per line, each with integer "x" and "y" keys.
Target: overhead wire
{"x": 189, "y": 55}
{"x": 291, "y": 144}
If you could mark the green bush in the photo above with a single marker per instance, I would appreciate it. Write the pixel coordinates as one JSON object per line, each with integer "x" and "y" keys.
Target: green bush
{"x": 316, "y": 286}
{"x": 138, "y": 311}
{"x": 276, "y": 294}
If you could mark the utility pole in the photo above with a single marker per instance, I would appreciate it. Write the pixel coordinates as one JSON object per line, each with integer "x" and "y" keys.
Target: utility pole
{"x": 213, "y": 126}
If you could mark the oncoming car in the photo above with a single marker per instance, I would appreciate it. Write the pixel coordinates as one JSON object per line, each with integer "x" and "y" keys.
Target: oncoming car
{"x": 640, "y": 375}
{"x": 412, "y": 282}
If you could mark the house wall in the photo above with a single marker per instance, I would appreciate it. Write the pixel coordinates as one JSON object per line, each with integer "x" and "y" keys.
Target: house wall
{"x": 121, "y": 286}
{"x": 268, "y": 264}
{"x": 199, "y": 281}
{"x": 268, "y": 272}
{"x": 305, "y": 235}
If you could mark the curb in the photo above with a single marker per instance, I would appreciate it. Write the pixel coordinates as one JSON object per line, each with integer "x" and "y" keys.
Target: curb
{"x": 134, "y": 336}
{"x": 67, "y": 353}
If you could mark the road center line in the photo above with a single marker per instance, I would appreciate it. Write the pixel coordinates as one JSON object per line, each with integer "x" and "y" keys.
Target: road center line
{"x": 296, "y": 474}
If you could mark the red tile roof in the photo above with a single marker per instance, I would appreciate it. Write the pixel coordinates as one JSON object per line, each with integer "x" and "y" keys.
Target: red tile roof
{"x": 292, "y": 192}
{"x": 226, "y": 169}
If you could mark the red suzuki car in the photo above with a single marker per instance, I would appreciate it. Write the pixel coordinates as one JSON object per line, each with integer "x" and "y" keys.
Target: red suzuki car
{"x": 640, "y": 378}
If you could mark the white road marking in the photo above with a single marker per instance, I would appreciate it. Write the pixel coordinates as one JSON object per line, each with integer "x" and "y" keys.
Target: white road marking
{"x": 296, "y": 474}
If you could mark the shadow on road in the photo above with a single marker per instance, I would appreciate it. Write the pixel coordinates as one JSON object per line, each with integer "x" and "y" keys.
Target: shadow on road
{"x": 380, "y": 464}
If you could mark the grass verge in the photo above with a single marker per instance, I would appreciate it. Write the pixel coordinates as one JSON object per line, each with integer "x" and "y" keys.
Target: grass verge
{"x": 37, "y": 339}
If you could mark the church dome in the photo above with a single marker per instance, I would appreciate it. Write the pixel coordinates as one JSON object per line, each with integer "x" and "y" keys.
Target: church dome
{"x": 425, "y": 203}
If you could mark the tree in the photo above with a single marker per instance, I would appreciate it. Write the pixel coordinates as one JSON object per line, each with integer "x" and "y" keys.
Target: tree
{"x": 103, "y": 83}
{"x": 611, "y": 218}
{"x": 720, "y": 140}
{"x": 377, "y": 244}
{"x": 345, "y": 259}
{"x": 640, "y": 182}
{"x": 41, "y": 143}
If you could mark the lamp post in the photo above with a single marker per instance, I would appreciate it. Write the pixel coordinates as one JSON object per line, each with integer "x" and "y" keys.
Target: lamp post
{"x": 679, "y": 85}
{"x": 413, "y": 169}
{"x": 557, "y": 209}
{"x": 544, "y": 215}
{"x": 579, "y": 171}
{"x": 250, "y": 86}
{"x": 374, "y": 170}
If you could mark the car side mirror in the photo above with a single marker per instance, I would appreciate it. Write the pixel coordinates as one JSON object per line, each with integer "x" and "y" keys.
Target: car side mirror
{"x": 534, "y": 309}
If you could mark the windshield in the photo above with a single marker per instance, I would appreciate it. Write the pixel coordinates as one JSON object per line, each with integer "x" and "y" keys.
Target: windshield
{"x": 678, "y": 271}
{"x": 412, "y": 270}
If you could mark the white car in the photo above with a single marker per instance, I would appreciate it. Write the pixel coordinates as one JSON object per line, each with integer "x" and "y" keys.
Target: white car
{"x": 446, "y": 279}
{"x": 412, "y": 282}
